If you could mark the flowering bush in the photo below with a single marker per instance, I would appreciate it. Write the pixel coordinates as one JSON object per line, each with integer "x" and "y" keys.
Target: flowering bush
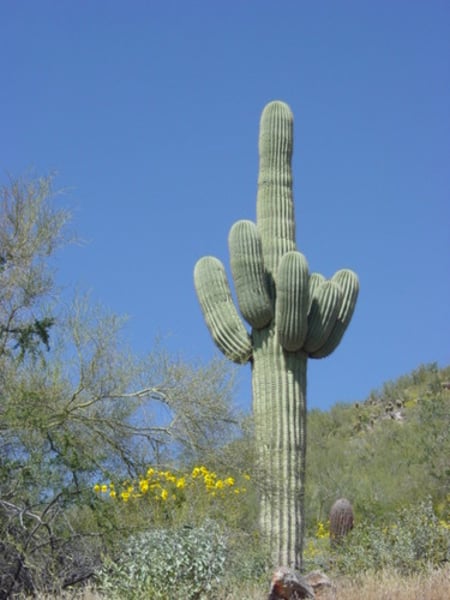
{"x": 165, "y": 485}
{"x": 185, "y": 516}
{"x": 166, "y": 497}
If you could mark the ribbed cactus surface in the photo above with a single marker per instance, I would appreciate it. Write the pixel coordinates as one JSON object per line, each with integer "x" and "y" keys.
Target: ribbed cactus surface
{"x": 293, "y": 315}
{"x": 341, "y": 520}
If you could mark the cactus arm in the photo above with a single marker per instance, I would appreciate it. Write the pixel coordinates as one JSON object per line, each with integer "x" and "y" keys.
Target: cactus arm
{"x": 221, "y": 316}
{"x": 315, "y": 279}
{"x": 292, "y": 301}
{"x": 247, "y": 267}
{"x": 274, "y": 205}
{"x": 348, "y": 283}
{"x": 322, "y": 316}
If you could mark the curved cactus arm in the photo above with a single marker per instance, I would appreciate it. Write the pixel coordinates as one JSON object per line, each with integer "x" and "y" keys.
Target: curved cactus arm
{"x": 315, "y": 280}
{"x": 275, "y": 205}
{"x": 348, "y": 283}
{"x": 323, "y": 312}
{"x": 247, "y": 267}
{"x": 292, "y": 301}
{"x": 224, "y": 323}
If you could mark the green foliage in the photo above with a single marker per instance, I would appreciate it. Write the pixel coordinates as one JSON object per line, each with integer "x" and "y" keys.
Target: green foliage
{"x": 187, "y": 562}
{"x": 391, "y": 449}
{"x": 248, "y": 559}
{"x": 317, "y": 548}
{"x": 413, "y": 539}
{"x": 162, "y": 564}
{"x": 77, "y": 404}
{"x": 31, "y": 230}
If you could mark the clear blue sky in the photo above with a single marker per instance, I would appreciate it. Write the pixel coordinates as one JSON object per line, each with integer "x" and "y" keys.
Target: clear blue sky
{"x": 149, "y": 113}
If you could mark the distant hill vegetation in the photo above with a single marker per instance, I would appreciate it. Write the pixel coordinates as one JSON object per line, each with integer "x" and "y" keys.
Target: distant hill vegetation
{"x": 386, "y": 452}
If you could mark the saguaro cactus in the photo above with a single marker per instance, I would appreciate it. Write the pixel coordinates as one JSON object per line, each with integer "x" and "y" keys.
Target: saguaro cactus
{"x": 293, "y": 315}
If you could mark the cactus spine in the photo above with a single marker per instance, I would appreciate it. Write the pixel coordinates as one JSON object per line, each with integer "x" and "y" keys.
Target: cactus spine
{"x": 293, "y": 315}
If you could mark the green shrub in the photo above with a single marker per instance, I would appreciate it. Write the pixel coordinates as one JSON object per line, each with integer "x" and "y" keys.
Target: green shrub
{"x": 413, "y": 540}
{"x": 161, "y": 564}
{"x": 248, "y": 559}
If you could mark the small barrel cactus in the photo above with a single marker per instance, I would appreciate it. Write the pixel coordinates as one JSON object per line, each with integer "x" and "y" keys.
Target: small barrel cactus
{"x": 341, "y": 520}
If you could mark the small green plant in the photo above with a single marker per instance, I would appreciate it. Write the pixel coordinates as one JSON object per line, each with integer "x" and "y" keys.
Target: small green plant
{"x": 317, "y": 548}
{"x": 161, "y": 564}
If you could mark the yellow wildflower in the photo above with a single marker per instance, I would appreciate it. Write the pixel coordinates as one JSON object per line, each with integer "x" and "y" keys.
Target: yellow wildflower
{"x": 164, "y": 494}
{"x": 321, "y": 531}
{"x": 143, "y": 485}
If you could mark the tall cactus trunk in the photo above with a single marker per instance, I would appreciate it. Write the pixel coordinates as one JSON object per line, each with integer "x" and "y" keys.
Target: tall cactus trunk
{"x": 279, "y": 408}
{"x": 293, "y": 314}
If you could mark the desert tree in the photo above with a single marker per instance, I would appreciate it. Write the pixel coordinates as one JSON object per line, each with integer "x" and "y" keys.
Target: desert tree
{"x": 77, "y": 404}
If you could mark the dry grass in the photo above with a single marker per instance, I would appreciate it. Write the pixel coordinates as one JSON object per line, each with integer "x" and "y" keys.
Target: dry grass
{"x": 382, "y": 586}
{"x": 388, "y": 586}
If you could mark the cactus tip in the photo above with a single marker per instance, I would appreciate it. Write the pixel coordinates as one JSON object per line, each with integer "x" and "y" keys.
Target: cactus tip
{"x": 277, "y": 108}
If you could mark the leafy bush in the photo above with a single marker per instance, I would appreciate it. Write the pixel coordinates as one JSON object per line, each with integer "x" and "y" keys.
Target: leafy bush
{"x": 413, "y": 540}
{"x": 164, "y": 563}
